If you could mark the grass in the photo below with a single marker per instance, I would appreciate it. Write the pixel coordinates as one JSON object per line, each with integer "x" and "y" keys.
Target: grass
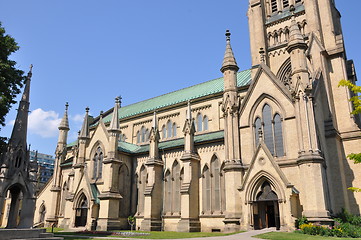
{"x": 55, "y": 229}
{"x": 295, "y": 236}
{"x": 153, "y": 235}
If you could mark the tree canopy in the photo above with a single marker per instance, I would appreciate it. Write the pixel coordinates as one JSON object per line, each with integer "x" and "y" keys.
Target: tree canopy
{"x": 11, "y": 78}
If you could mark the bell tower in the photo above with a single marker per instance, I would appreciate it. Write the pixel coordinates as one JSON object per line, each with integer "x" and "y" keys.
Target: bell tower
{"x": 301, "y": 42}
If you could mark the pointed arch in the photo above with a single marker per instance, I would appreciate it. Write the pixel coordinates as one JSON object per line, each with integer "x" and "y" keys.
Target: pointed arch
{"x": 168, "y": 191}
{"x": 199, "y": 122}
{"x": 278, "y": 135}
{"x": 205, "y": 123}
{"x": 215, "y": 184}
{"x": 206, "y": 189}
{"x": 256, "y": 182}
{"x": 64, "y": 195}
{"x": 267, "y": 127}
{"x": 81, "y": 209}
{"x": 264, "y": 99}
{"x": 124, "y": 190}
{"x": 174, "y": 130}
{"x": 164, "y": 132}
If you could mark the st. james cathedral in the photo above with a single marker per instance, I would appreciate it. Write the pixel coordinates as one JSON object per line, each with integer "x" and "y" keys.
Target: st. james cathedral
{"x": 255, "y": 148}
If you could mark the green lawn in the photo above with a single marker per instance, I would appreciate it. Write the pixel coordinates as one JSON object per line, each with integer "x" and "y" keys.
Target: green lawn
{"x": 153, "y": 235}
{"x": 295, "y": 236}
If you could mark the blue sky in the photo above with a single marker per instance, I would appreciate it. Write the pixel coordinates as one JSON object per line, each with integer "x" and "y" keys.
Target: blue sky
{"x": 87, "y": 52}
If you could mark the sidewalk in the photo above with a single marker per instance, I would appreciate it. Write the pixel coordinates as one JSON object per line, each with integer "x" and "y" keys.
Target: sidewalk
{"x": 239, "y": 236}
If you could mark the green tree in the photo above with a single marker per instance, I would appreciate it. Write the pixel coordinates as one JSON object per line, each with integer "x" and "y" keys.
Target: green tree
{"x": 11, "y": 78}
{"x": 356, "y": 101}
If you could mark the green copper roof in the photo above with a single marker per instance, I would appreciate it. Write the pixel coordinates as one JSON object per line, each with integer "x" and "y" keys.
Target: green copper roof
{"x": 132, "y": 148}
{"x": 182, "y": 95}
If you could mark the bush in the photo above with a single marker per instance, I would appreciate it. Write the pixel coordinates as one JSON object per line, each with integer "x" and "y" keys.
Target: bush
{"x": 300, "y": 221}
{"x": 340, "y": 230}
{"x": 345, "y": 217}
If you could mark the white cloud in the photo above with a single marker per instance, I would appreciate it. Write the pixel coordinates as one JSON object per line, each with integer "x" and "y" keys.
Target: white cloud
{"x": 44, "y": 123}
{"x": 77, "y": 118}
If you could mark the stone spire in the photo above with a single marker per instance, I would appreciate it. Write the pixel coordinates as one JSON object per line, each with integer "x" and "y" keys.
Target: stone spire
{"x": 19, "y": 133}
{"x": 155, "y": 121}
{"x": 63, "y": 133}
{"x": 296, "y": 39}
{"x": 189, "y": 111}
{"x": 64, "y": 124}
{"x": 229, "y": 61}
{"x": 114, "y": 124}
{"x": 84, "y": 132}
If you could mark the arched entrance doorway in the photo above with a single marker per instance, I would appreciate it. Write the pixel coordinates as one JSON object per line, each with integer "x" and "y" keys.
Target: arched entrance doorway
{"x": 265, "y": 208}
{"x": 81, "y": 213}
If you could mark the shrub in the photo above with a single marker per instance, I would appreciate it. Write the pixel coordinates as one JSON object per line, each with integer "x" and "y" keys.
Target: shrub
{"x": 300, "y": 221}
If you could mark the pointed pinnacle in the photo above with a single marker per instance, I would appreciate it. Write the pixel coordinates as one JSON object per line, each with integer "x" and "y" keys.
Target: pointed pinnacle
{"x": 155, "y": 124}
{"x": 64, "y": 124}
{"x": 229, "y": 61}
{"x": 114, "y": 123}
{"x": 189, "y": 111}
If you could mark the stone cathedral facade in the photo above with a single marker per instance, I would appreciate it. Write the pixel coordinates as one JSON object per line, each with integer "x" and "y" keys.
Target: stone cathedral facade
{"x": 253, "y": 149}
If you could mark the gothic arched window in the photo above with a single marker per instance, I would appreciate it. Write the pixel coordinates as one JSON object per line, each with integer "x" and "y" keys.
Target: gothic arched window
{"x": 169, "y": 129}
{"x": 272, "y": 131}
{"x": 176, "y": 187}
{"x": 213, "y": 188}
{"x": 267, "y": 127}
{"x": 278, "y": 135}
{"x": 141, "y": 188}
{"x": 164, "y": 132}
{"x": 206, "y": 185}
{"x": 98, "y": 163}
{"x": 124, "y": 190}
{"x": 174, "y": 130}
{"x": 216, "y": 184}
{"x": 199, "y": 122}
{"x": 168, "y": 192}
{"x": 138, "y": 137}
{"x": 205, "y": 123}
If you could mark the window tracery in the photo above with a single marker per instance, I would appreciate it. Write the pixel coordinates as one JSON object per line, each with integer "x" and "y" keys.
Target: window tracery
{"x": 213, "y": 188}
{"x": 202, "y": 122}
{"x": 169, "y": 130}
{"x": 272, "y": 131}
{"x": 98, "y": 163}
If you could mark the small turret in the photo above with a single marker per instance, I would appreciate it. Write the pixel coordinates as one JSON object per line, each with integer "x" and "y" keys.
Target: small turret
{"x": 83, "y": 138}
{"x": 229, "y": 61}
{"x": 297, "y": 48}
{"x": 114, "y": 131}
{"x": 84, "y": 132}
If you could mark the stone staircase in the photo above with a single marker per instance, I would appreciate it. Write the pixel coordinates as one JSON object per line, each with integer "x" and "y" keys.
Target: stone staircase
{"x": 27, "y": 234}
